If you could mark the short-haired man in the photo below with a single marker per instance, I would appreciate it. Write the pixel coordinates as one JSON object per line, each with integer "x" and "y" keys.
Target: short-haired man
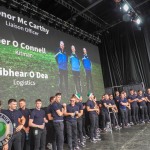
{"x": 57, "y": 112}
{"x": 123, "y": 103}
{"x": 25, "y": 131}
{"x": 18, "y": 122}
{"x": 79, "y": 119}
{"x": 107, "y": 105}
{"x": 37, "y": 122}
{"x": 92, "y": 116}
{"x": 147, "y": 96}
{"x": 50, "y": 126}
{"x": 143, "y": 107}
{"x": 132, "y": 99}
{"x": 71, "y": 112}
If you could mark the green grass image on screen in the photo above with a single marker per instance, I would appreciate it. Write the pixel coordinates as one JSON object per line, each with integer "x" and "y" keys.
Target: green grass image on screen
{"x": 44, "y": 88}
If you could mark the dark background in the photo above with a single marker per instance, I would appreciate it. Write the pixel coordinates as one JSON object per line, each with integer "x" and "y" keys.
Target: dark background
{"x": 125, "y": 55}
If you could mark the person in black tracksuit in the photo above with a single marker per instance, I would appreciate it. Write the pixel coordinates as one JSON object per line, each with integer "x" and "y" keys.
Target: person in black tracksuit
{"x": 25, "y": 131}
{"x": 92, "y": 116}
{"x": 129, "y": 116}
{"x": 147, "y": 96}
{"x": 50, "y": 127}
{"x": 100, "y": 104}
{"x": 58, "y": 121}
{"x": 18, "y": 122}
{"x": 143, "y": 107}
{"x": 37, "y": 122}
{"x": 71, "y": 111}
{"x": 84, "y": 125}
{"x": 97, "y": 118}
{"x": 114, "y": 110}
{"x": 117, "y": 98}
{"x": 79, "y": 119}
{"x": 132, "y": 99}
{"x": 123, "y": 109}
{"x": 106, "y": 103}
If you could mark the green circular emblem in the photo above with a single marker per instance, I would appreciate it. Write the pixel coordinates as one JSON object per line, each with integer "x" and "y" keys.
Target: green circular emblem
{"x": 6, "y": 129}
{"x": 2, "y": 128}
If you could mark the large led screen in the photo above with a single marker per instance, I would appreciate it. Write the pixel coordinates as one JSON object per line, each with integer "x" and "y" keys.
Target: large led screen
{"x": 36, "y": 61}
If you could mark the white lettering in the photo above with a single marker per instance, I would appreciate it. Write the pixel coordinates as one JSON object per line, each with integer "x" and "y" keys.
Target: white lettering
{"x": 22, "y": 21}
{"x": 15, "y": 43}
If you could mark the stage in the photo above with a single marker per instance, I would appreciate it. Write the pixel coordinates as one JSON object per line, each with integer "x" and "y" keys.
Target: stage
{"x": 134, "y": 138}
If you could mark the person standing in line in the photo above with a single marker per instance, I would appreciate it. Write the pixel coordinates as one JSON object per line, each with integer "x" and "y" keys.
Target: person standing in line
{"x": 147, "y": 96}
{"x": 71, "y": 112}
{"x": 25, "y": 131}
{"x": 57, "y": 112}
{"x": 84, "y": 125}
{"x": 114, "y": 112}
{"x": 50, "y": 126}
{"x": 97, "y": 136}
{"x": 18, "y": 122}
{"x": 132, "y": 99}
{"x": 117, "y": 98}
{"x": 79, "y": 119}
{"x": 88, "y": 70}
{"x": 123, "y": 103}
{"x": 143, "y": 107}
{"x": 106, "y": 106}
{"x": 129, "y": 116}
{"x": 37, "y": 122}
{"x": 90, "y": 105}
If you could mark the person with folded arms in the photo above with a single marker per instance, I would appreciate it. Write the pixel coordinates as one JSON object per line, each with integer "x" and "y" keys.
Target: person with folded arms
{"x": 18, "y": 122}
{"x": 37, "y": 122}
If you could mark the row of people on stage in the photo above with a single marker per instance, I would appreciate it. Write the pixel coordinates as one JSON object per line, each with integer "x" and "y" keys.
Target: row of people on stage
{"x": 138, "y": 106}
{"x": 124, "y": 110}
{"x": 32, "y": 124}
{"x": 75, "y": 121}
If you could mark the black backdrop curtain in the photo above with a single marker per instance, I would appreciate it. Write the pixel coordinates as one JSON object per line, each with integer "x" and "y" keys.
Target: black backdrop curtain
{"x": 125, "y": 55}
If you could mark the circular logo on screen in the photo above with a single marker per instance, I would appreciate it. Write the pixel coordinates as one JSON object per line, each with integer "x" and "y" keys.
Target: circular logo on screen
{"x": 6, "y": 129}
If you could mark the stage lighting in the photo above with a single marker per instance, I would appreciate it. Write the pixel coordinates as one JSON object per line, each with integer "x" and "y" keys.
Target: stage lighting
{"x": 125, "y": 7}
{"x": 138, "y": 21}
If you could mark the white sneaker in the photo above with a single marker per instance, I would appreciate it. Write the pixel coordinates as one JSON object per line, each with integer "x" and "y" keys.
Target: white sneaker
{"x": 49, "y": 146}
